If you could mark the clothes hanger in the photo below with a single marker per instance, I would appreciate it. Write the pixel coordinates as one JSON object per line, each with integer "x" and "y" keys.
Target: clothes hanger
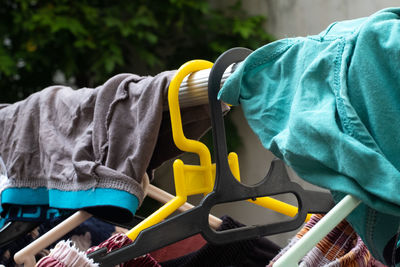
{"x": 226, "y": 189}
{"x": 189, "y": 179}
{"x": 195, "y": 179}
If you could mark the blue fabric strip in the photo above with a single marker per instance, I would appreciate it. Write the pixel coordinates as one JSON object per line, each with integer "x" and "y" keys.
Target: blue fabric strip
{"x": 25, "y": 196}
{"x": 70, "y": 199}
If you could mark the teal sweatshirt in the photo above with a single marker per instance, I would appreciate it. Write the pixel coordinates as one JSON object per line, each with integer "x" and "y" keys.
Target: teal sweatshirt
{"x": 329, "y": 106}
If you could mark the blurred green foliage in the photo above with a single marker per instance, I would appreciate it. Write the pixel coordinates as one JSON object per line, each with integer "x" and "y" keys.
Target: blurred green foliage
{"x": 89, "y": 41}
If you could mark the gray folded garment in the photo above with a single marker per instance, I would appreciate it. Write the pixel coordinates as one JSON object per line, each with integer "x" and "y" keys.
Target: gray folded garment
{"x": 89, "y": 148}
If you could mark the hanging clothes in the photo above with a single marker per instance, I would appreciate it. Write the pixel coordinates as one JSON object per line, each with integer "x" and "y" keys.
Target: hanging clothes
{"x": 89, "y": 148}
{"x": 340, "y": 248}
{"x": 90, "y": 233}
{"x": 329, "y": 106}
{"x": 66, "y": 254}
{"x": 119, "y": 240}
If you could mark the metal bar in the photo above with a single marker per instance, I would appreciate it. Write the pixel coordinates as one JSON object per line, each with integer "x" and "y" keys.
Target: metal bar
{"x": 194, "y": 88}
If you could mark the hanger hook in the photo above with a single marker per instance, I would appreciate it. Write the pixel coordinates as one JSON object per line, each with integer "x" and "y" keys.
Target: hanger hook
{"x": 180, "y": 140}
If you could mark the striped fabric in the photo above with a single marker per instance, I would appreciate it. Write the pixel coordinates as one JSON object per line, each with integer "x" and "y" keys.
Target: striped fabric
{"x": 342, "y": 247}
{"x": 120, "y": 240}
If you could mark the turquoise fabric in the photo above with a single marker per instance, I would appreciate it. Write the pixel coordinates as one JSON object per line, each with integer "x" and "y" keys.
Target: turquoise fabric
{"x": 123, "y": 203}
{"x": 329, "y": 106}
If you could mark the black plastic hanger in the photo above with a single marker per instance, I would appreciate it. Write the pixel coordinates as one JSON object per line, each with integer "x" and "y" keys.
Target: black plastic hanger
{"x": 227, "y": 189}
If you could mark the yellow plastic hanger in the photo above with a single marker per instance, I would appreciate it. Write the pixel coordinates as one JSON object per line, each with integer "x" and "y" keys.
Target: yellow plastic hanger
{"x": 196, "y": 179}
{"x": 189, "y": 179}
